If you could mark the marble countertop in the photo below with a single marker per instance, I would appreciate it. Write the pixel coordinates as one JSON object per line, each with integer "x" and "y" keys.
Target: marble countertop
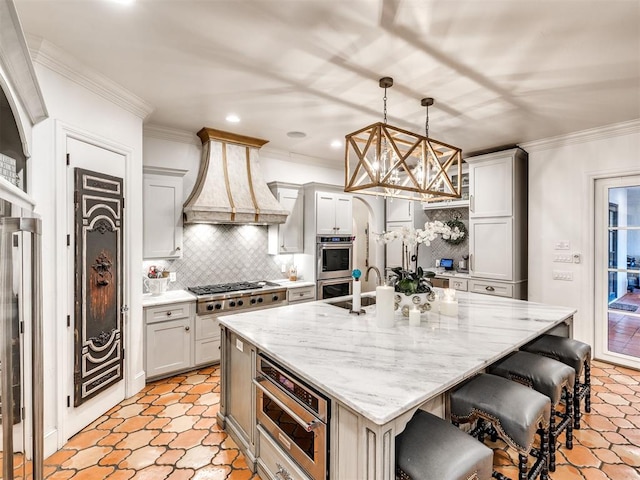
{"x": 172, "y": 296}
{"x": 382, "y": 373}
{"x": 451, "y": 273}
{"x": 289, "y": 284}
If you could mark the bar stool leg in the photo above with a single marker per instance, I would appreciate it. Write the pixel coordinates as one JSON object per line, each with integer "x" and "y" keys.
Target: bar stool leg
{"x": 577, "y": 414}
{"x": 587, "y": 382}
{"x": 570, "y": 412}
{"x": 553, "y": 440}
{"x": 544, "y": 447}
{"x": 522, "y": 467}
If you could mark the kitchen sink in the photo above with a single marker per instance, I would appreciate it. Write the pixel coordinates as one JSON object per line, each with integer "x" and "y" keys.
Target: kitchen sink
{"x": 347, "y": 304}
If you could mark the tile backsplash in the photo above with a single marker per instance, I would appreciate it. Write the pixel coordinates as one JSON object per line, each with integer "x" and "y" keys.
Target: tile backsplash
{"x": 442, "y": 249}
{"x": 220, "y": 254}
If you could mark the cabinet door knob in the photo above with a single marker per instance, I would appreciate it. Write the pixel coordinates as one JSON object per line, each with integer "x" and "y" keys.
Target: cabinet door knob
{"x": 187, "y": 328}
{"x": 177, "y": 249}
{"x": 168, "y": 314}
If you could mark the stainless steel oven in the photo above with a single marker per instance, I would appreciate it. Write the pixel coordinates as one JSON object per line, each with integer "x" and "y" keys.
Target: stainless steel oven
{"x": 334, "y": 256}
{"x": 295, "y": 415}
{"x": 336, "y": 287}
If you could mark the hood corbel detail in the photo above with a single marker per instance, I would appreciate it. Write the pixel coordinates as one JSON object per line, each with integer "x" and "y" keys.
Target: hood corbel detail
{"x": 230, "y": 188}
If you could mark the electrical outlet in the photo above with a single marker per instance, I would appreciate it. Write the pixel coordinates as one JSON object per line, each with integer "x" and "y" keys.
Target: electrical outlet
{"x": 563, "y": 275}
{"x": 563, "y": 245}
{"x": 563, "y": 258}
{"x": 173, "y": 276}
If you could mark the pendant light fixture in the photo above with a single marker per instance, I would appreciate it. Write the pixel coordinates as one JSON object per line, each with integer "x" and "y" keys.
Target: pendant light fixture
{"x": 381, "y": 159}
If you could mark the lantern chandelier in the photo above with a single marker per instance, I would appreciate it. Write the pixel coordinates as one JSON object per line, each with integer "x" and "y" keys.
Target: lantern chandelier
{"x": 384, "y": 160}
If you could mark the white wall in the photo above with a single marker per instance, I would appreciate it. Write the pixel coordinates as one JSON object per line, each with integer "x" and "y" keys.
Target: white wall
{"x": 561, "y": 176}
{"x": 70, "y": 104}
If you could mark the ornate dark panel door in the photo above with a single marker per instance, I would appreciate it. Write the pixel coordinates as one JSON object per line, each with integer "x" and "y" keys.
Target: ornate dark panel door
{"x": 99, "y": 353}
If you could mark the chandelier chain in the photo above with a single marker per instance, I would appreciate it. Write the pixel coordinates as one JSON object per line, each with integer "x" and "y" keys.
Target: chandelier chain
{"x": 426, "y": 124}
{"x": 385, "y": 105}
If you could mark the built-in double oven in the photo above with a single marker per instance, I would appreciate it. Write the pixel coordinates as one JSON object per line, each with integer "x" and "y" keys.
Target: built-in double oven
{"x": 334, "y": 255}
{"x": 295, "y": 414}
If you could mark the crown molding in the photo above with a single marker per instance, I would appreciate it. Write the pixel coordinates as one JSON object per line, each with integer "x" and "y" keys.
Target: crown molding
{"x": 54, "y": 58}
{"x": 592, "y": 134}
{"x": 171, "y": 134}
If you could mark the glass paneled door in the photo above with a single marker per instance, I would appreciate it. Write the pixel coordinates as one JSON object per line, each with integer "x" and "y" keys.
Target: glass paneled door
{"x": 617, "y": 265}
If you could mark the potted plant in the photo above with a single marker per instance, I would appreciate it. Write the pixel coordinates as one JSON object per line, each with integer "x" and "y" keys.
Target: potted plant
{"x": 412, "y": 289}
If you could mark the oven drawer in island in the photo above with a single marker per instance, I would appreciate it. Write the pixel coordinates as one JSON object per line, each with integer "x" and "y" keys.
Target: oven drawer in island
{"x": 273, "y": 462}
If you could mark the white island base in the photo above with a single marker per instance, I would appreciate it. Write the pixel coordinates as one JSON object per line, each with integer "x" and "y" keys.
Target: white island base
{"x": 375, "y": 378}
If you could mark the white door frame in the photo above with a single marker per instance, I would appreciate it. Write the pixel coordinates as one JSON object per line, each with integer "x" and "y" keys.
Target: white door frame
{"x": 64, "y": 131}
{"x": 601, "y": 327}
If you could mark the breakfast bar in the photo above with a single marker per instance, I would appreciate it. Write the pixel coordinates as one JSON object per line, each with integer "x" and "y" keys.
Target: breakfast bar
{"x": 373, "y": 379}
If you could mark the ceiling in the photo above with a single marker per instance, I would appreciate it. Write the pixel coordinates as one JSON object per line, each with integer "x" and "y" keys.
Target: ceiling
{"x": 501, "y": 72}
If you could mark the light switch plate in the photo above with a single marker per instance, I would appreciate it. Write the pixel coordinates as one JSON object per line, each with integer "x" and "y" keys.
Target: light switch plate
{"x": 173, "y": 276}
{"x": 563, "y": 245}
{"x": 563, "y": 275}
{"x": 560, "y": 258}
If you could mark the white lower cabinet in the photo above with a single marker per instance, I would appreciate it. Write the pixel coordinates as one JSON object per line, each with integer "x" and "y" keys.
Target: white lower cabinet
{"x": 169, "y": 339}
{"x": 177, "y": 340}
{"x": 301, "y": 294}
{"x": 207, "y": 343}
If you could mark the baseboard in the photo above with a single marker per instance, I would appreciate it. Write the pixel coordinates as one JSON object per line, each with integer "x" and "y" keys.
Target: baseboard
{"x": 50, "y": 442}
{"x": 137, "y": 384}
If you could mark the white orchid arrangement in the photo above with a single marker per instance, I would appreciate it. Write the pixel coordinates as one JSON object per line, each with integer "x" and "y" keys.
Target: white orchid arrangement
{"x": 411, "y": 236}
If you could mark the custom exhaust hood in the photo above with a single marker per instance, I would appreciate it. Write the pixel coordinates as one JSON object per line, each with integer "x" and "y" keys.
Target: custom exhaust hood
{"x": 230, "y": 188}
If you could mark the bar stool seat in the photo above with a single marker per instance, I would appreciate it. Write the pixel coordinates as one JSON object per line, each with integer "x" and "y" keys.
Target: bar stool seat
{"x": 549, "y": 377}
{"x": 431, "y": 448}
{"x": 514, "y": 412}
{"x": 574, "y": 353}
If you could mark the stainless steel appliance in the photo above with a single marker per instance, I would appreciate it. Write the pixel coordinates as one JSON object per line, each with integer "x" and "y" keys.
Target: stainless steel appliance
{"x": 335, "y": 287}
{"x": 334, "y": 255}
{"x": 295, "y": 415}
{"x": 225, "y": 298}
{"x": 21, "y": 369}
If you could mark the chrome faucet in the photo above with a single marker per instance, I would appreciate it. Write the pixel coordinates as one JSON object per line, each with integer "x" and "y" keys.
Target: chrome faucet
{"x": 375, "y": 269}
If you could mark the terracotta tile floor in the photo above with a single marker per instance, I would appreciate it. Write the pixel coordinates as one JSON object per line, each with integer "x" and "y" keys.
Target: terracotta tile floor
{"x": 168, "y": 432}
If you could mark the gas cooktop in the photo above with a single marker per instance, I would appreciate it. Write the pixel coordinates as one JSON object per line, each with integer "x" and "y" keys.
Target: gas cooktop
{"x": 235, "y": 296}
{"x": 230, "y": 287}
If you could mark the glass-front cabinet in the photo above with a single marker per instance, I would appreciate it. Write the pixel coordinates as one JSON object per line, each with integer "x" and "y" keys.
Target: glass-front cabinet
{"x": 453, "y": 203}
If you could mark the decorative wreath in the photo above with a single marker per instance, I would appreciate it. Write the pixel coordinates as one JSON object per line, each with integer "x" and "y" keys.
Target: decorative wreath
{"x": 456, "y": 223}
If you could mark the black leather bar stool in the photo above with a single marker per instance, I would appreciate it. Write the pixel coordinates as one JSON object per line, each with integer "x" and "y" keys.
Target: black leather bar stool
{"x": 549, "y": 377}
{"x": 431, "y": 448}
{"x": 511, "y": 411}
{"x": 575, "y": 354}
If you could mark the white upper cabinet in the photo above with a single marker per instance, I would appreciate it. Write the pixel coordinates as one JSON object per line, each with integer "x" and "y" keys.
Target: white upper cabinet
{"x": 491, "y": 187}
{"x": 399, "y": 210}
{"x": 334, "y": 214}
{"x": 162, "y": 196}
{"x": 286, "y": 238}
{"x": 454, "y": 202}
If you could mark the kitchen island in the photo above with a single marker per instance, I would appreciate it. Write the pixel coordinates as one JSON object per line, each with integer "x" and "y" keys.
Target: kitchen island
{"x": 375, "y": 378}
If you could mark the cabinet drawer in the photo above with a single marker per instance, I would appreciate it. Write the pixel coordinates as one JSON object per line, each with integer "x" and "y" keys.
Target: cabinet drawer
{"x": 275, "y": 461}
{"x": 207, "y": 326}
{"x": 458, "y": 284}
{"x": 491, "y": 288}
{"x": 168, "y": 312}
{"x": 301, "y": 294}
{"x": 207, "y": 351}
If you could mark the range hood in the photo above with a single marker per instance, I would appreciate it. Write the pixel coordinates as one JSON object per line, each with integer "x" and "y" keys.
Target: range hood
{"x": 230, "y": 188}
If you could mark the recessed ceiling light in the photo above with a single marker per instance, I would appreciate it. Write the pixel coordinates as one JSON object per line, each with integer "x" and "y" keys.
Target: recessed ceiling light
{"x": 124, "y": 2}
{"x": 295, "y": 134}
{"x": 336, "y": 144}
{"x": 232, "y": 118}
